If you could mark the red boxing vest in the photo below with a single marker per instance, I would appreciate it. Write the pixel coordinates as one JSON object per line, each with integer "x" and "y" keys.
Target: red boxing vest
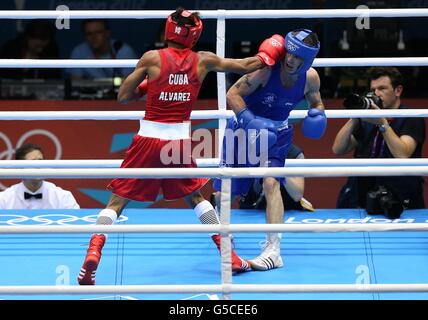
{"x": 171, "y": 96}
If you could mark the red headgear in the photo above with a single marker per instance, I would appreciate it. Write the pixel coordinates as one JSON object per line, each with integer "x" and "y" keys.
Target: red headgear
{"x": 186, "y": 35}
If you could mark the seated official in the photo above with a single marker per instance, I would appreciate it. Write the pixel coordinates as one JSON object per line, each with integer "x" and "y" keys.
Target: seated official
{"x": 382, "y": 138}
{"x": 35, "y": 193}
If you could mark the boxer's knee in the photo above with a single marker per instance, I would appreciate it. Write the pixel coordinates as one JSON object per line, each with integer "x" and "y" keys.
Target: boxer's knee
{"x": 270, "y": 186}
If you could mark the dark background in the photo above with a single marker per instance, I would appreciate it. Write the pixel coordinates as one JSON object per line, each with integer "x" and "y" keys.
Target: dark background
{"x": 380, "y": 40}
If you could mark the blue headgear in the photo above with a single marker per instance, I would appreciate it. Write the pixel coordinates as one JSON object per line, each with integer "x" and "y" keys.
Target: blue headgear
{"x": 294, "y": 44}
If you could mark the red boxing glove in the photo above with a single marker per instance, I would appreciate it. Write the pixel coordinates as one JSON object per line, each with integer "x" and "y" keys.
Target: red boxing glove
{"x": 142, "y": 88}
{"x": 272, "y": 50}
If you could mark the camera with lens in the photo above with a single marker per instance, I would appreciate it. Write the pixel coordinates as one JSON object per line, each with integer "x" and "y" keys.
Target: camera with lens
{"x": 382, "y": 201}
{"x": 355, "y": 101}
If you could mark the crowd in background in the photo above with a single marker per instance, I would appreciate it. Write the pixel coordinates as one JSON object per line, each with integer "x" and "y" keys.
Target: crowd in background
{"x": 40, "y": 39}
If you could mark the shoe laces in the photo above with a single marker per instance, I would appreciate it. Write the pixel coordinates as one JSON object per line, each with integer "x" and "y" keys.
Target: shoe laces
{"x": 218, "y": 241}
{"x": 267, "y": 246}
{"x": 263, "y": 244}
{"x": 97, "y": 241}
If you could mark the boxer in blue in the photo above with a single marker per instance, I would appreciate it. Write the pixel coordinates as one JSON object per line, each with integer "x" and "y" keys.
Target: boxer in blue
{"x": 262, "y": 102}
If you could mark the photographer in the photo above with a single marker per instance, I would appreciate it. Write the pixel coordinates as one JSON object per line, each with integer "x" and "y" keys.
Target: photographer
{"x": 381, "y": 138}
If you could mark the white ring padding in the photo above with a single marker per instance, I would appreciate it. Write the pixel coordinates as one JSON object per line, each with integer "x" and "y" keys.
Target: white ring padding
{"x": 178, "y": 173}
{"x": 225, "y": 240}
{"x": 131, "y": 63}
{"x": 207, "y": 288}
{"x": 221, "y": 76}
{"x": 213, "y": 162}
{"x": 201, "y": 114}
{"x": 213, "y": 14}
{"x": 222, "y": 229}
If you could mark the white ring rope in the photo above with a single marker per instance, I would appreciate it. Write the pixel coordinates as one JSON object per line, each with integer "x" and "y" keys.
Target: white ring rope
{"x": 204, "y": 288}
{"x": 290, "y": 163}
{"x": 178, "y": 173}
{"x": 201, "y": 114}
{"x": 104, "y": 115}
{"x": 131, "y": 63}
{"x": 223, "y": 229}
{"x": 214, "y": 14}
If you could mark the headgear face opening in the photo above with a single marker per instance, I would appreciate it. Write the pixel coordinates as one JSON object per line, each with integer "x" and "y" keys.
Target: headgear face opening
{"x": 294, "y": 45}
{"x": 186, "y": 35}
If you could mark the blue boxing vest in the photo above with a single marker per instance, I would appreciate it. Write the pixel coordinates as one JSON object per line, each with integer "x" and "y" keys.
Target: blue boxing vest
{"x": 274, "y": 101}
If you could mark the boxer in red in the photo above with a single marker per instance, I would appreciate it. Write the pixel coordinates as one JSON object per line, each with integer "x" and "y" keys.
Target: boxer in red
{"x": 171, "y": 78}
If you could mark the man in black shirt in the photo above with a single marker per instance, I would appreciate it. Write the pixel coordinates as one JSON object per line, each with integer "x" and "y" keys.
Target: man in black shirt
{"x": 382, "y": 138}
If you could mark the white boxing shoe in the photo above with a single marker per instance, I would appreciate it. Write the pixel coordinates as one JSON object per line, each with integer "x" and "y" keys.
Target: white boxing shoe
{"x": 270, "y": 258}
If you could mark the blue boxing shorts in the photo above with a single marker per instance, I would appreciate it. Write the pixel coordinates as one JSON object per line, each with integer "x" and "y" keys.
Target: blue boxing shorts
{"x": 235, "y": 155}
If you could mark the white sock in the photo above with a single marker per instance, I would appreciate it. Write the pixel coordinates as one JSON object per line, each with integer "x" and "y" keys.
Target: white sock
{"x": 106, "y": 217}
{"x": 206, "y": 213}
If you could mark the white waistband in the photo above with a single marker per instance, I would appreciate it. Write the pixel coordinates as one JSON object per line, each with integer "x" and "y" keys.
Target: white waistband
{"x": 165, "y": 131}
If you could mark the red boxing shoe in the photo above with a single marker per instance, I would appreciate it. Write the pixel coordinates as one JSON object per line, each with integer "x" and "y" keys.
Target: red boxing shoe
{"x": 93, "y": 256}
{"x": 238, "y": 264}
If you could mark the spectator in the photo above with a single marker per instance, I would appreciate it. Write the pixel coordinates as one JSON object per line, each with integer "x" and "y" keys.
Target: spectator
{"x": 99, "y": 45}
{"x": 35, "y": 193}
{"x": 383, "y": 138}
{"x": 291, "y": 192}
{"x": 37, "y": 42}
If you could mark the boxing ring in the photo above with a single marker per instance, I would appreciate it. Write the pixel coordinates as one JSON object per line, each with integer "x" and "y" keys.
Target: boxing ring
{"x": 166, "y": 254}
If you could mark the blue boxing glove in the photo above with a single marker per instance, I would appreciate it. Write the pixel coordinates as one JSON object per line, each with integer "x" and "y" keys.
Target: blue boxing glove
{"x": 314, "y": 124}
{"x": 257, "y": 127}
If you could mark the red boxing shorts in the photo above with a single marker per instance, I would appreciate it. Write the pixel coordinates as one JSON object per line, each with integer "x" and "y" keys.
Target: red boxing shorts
{"x": 145, "y": 152}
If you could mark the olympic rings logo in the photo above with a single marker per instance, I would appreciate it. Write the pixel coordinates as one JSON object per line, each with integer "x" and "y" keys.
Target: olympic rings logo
{"x": 291, "y": 46}
{"x": 10, "y": 150}
{"x": 50, "y": 219}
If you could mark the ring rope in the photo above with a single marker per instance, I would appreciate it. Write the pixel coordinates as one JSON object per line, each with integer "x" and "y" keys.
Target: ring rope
{"x": 222, "y": 172}
{"x": 203, "y": 288}
{"x": 130, "y": 63}
{"x": 335, "y": 162}
{"x": 214, "y": 14}
{"x": 201, "y": 114}
{"x": 223, "y": 229}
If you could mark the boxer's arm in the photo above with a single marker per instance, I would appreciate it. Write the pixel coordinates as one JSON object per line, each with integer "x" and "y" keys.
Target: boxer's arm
{"x": 312, "y": 89}
{"x": 270, "y": 51}
{"x": 212, "y": 62}
{"x": 128, "y": 91}
{"x": 315, "y": 123}
{"x": 246, "y": 85}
